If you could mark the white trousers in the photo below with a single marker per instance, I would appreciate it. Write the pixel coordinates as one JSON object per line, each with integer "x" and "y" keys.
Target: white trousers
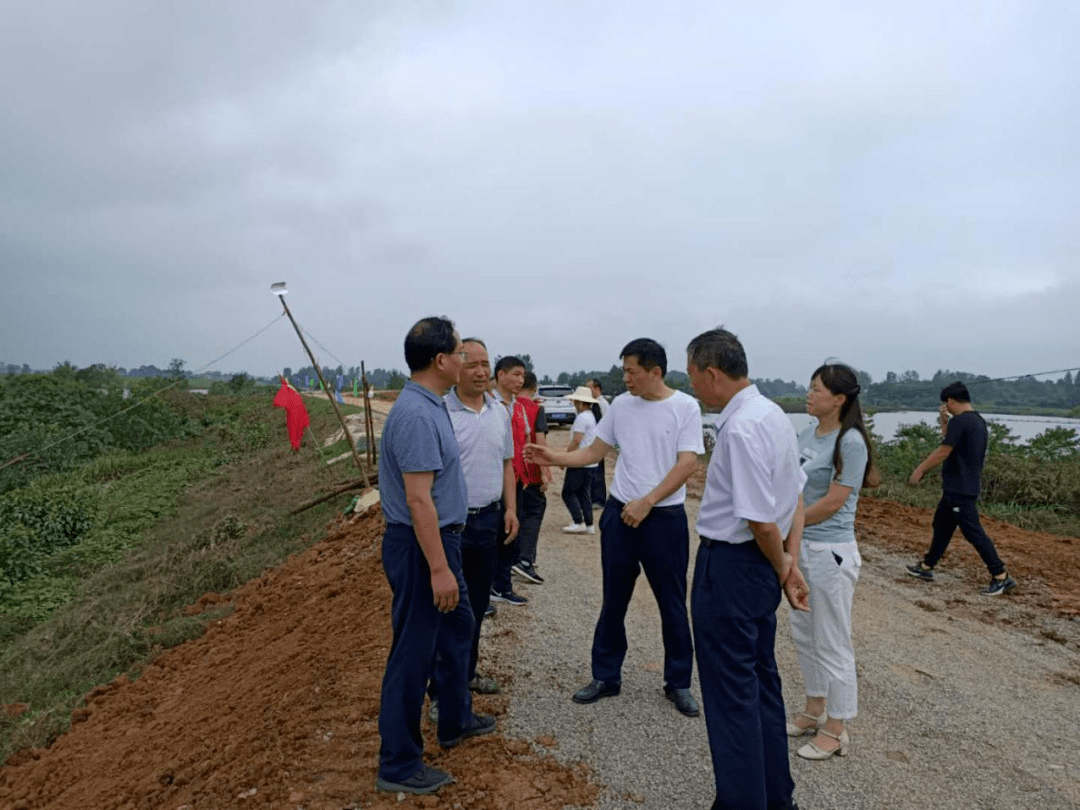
{"x": 822, "y": 637}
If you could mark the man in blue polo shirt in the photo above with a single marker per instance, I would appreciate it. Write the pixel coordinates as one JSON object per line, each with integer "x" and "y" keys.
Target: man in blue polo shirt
{"x": 424, "y": 502}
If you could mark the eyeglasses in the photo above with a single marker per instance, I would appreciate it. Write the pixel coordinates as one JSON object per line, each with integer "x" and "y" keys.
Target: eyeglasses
{"x": 464, "y": 355}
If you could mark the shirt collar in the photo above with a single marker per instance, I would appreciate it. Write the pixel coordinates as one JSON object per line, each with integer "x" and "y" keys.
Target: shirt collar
{"x": 454, "y": 403}
{"x": 425, "y": 392}
{"x": 735, "y": 403}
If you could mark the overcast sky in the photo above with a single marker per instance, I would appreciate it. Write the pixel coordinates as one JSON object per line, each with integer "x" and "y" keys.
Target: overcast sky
{"x": 893, "y": 184}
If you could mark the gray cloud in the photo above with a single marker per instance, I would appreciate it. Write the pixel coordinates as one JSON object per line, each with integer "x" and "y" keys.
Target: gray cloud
{"x": 894, "y": 185}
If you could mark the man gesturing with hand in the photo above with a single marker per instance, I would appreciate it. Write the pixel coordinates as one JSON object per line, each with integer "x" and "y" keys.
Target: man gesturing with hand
{"x": 643, "y": 526}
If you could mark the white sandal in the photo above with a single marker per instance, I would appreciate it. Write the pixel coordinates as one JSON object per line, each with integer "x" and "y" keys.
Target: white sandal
{"x": 811, "y": 751}
{"x": 794, "y": 730}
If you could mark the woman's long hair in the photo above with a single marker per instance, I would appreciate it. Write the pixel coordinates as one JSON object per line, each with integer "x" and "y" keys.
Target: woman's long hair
{"x": 594, "y": 408}
{"x": 840, "y": 379}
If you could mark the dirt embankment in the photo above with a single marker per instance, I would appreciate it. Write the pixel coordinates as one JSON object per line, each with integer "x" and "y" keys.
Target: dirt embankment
{"x": 276, "y": 705}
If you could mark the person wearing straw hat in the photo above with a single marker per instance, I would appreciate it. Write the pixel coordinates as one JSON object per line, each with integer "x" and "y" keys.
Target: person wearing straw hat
{"x": 577, "y": 486}
{"x": 599, "y": 484}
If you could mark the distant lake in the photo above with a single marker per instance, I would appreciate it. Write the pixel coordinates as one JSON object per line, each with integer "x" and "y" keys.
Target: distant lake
{"x": 1025, "y": 428}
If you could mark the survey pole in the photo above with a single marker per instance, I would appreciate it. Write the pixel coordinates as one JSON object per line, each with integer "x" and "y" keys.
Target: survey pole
{"x": 280, "y": 290}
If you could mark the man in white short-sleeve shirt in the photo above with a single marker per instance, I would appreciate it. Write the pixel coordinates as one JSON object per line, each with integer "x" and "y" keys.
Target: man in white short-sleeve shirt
{"x": 643, "y": 526}
{"x": 750, "y": 524}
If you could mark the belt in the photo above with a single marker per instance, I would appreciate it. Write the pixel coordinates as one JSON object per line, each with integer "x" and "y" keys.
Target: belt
{"x": 453, "y": 528}
{"x": 747, "y": 550}
{"x": 483, "y": 510}
{"x": 671, "y": 509}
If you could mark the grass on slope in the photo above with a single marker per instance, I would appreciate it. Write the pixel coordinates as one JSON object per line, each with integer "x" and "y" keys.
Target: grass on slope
{"x": 206, "y": 514}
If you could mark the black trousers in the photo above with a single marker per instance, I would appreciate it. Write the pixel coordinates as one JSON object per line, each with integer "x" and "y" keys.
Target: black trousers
{"x": 577, "y": 494}
{"x": 660, "y": 546}
{"x": 961, "y": 511}
{"x": 531, "y": 505}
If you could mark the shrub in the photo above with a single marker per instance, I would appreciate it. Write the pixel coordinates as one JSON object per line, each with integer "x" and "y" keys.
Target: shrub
{"x": 35, "y": 523}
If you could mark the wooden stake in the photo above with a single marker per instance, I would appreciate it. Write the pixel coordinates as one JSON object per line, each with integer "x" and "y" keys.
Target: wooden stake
{"x": 369, "y": 418}
{"x": 329, "y": 394}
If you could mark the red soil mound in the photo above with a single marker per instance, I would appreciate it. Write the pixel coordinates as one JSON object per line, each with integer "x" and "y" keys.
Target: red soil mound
{"x": 1047, "y": 566}
{"x": 275, "y": 706}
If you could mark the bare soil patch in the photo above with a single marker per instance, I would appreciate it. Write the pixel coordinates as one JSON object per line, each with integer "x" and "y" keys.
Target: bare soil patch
{"x": 275, "y": 706}
{"x": 1047, "y": 566}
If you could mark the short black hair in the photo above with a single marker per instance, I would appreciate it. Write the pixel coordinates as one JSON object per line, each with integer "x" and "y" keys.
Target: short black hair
{"x": 596, "y": 382}
{"x": 719, "y": 349}
{"x": 429, "y": 337}
{"x": 530, "y": 381}
{"x": 957, "y": 391}
{"x": 508, "y": 362}
{"x": 474, "y": 340}
{"x": 648, "y": 352}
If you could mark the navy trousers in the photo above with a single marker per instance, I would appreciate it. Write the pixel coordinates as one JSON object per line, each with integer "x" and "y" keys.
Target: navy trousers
{"x": 733, "y": 601}
{"x": 599, "y": 485}
{"x": 421, "y": 635}
{"x": 961, "y": 511}
{"x": 478, "y": 565}
{"x": 660, "y": 546}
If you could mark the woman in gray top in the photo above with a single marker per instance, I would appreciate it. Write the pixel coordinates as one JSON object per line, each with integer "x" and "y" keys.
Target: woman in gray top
{"x": 835, "y": 455}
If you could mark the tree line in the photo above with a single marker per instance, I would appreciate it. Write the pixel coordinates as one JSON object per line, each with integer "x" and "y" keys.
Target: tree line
{"x": 904, "y": 390}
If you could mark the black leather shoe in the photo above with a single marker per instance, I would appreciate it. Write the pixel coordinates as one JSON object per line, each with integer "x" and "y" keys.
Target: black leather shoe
{"x": 594, "y": 691}
{"x": 683, "y": 701}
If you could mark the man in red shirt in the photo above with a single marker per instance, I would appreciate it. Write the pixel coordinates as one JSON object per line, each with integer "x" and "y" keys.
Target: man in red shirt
{"x": 528, "y": 424}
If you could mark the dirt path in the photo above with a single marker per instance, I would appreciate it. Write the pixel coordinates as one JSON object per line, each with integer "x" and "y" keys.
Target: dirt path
{"x": 965, "y": 702}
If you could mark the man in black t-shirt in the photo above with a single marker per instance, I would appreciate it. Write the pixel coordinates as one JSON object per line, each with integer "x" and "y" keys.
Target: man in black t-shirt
{"x": 963, "y": 450}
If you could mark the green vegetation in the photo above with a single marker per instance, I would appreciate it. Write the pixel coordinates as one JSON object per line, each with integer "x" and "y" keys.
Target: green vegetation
{"x": 1026, "y": 395}
{"x": 105, "y": 538}
{"x": 1035, "y": 485}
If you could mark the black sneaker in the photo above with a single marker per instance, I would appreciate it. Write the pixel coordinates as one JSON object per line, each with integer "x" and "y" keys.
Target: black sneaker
{"x": 527, "y": 571}
{"x": 479, "y": 724}
{"x": 999, "y": 586}
{"x": 425, "y": 780}
{"x": 490, "y": 611}
{"x": 921, "y": 572}
{"x": 509, "y": 597}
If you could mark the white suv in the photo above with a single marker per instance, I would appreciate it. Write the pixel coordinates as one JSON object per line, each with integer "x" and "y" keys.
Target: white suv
{"x": 558, "y": 409}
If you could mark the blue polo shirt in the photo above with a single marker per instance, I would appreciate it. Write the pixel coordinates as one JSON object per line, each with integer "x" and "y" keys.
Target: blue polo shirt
{"x": 419, "y": 437}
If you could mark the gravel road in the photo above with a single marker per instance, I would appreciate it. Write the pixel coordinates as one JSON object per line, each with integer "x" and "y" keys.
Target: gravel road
{"x": 965, "y": 702}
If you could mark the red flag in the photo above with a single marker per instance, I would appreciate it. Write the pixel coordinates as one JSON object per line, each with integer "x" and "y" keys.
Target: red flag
{"x": 296, "y": 417}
